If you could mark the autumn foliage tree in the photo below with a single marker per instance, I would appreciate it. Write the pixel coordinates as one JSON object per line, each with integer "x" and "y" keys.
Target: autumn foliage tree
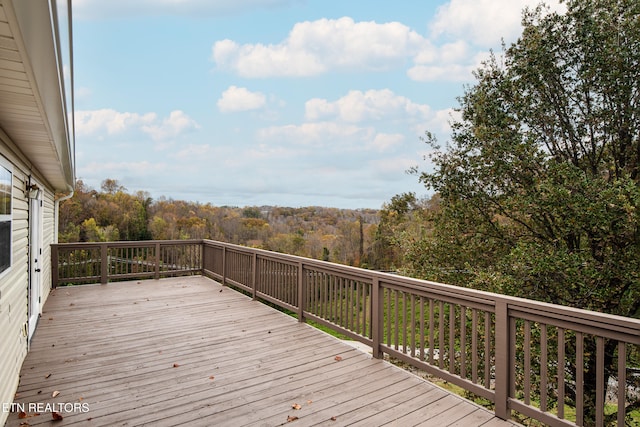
{"x": 540, "y": 183}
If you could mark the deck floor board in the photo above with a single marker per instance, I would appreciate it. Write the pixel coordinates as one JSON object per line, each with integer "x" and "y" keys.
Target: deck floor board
{"x": 187, "y": 351}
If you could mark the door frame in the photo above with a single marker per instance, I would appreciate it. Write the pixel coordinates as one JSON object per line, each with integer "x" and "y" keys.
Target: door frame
{"x": 35, "y": 256}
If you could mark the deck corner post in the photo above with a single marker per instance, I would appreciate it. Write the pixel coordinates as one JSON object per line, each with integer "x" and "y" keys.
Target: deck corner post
{"x": 301, "y": 292}
{"x": 377, "y": 314}
{"x": 104, "y": 263}
{"x": 502, "y": 360}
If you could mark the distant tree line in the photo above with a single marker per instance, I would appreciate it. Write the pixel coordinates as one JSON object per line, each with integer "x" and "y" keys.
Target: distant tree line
{"x": 113, "y": 213}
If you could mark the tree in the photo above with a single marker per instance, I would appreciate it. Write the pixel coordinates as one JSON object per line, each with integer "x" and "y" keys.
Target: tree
{"x": 76, "y": 210}
{"x": 400, "y": 223}
{"x": 112, "y": 186}
{"x": 540, "y": 184}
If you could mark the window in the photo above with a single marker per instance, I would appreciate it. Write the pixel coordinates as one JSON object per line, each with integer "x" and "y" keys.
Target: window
{"x": 5, "y": 216}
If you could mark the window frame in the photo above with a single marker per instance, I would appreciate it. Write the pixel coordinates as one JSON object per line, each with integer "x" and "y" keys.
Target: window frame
{"x": 8, "y": 217}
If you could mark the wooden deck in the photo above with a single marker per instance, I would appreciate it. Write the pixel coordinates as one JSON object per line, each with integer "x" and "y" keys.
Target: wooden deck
{"x": 187, "y": 351}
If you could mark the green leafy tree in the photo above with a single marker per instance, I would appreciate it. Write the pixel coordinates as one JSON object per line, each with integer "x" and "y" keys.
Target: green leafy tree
{"x": 540, "y": 184}
{"x": 403, "y": 222}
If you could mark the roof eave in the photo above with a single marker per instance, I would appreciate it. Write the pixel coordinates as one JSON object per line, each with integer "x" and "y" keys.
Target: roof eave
{"x": 36, "y": 31}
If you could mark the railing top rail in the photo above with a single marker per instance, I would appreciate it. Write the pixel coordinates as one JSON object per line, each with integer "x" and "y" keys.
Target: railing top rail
{"x": 127, "y": 243}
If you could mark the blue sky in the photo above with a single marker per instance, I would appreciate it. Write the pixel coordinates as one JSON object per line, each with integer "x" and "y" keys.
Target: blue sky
{"x": 273, "y": 102}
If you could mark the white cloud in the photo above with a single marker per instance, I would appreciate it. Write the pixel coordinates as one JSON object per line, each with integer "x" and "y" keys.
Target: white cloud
{"x": 461, "y": 70}
{"x": 193, "y": 151}
{"x": 176, "y": 124}
{"x": 109, "y": 121}
{"x": 323, "y": 139}
{"x": 102, "y": 169}
{"x": 392, "y": 168}
{"x": 483, "y": 22}
{"x": 439, "y": 124}
{"x": 442, "y": 120}
{"x": 314, "y": 47}
{"x": 327, "y": 45}
{"x": 236, "y": 99}
{"x": 384, "y": 141}
{"x": 358, "y": 106}
{"x": 474, "y": 27}
{"x": 320, "y": 133}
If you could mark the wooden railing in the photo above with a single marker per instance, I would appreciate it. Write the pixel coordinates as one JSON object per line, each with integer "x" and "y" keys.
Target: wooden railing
{"x": 520, "y": 355}
{"x": 76, "y": 263}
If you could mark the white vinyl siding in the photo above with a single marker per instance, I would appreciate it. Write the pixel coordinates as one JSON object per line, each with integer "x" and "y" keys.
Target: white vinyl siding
{"x": 13, "y": 294}
{"x": 14, "y": 282}
{"x": 48, "y": 230}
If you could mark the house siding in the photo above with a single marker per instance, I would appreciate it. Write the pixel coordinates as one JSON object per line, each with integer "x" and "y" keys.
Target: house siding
{"x": 14, "y": 283}
{"x": 48, "y": 238}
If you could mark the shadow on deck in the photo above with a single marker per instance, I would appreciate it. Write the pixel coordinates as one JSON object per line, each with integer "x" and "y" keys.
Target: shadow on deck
{"x": 187, "y": 351}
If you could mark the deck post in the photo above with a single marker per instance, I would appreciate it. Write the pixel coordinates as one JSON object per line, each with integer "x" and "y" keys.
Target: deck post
{"x": 502, "y": 359}
{"x": 156, "y": 274}
{"x": 301, "y": 293}
{"x": 104, "y": 263}
{"x": 254, "y": 275}
{"x": 224, "y": 265}
{"x": 54, "y": 266}
{"x": 377, "y": 314}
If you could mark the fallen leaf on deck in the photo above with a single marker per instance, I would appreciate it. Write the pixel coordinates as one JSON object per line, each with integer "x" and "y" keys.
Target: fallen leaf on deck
{"x": 55, "y": 393}
{"x": 309, "y": 402}
{"x": 211, "y": 377}
{"x": 291, "y": 418}
{"x": 48, "y": 375}
{"x": 333, "y": 418}
{"x": 296, "y": 406}
{"x": 25, "y": 424}
{"x": 23, "y": 415}
{"x": 175, "y": 365}
{"x": 56, "y": 416}
{"x": 338, "y": 358}
{"x": 71, "y": 305}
